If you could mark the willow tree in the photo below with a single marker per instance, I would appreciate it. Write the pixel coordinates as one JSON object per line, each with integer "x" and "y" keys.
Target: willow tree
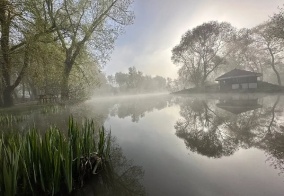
{"x": 202, "y": 50}
{"x": 87, "y": 24}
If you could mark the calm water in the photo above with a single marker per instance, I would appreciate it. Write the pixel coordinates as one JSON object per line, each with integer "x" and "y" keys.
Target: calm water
{"x": 231, "y": 145}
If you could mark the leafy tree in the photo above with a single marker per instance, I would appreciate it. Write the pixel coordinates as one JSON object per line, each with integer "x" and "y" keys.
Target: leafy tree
{"x": 202, "y": 50}
{"x": 246, "y": 55}
{"x": 84, "y": 24}
{"x": 21, "y": 27}
{"x": 134, "y": 78}
{"x": 277, "y": 24}
{"x": 121, "y": 79}
{"x": 269, "y": 45}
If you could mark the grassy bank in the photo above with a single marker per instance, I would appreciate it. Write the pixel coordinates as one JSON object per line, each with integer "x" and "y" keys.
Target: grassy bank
{"x": 263, "y": 87}
{"x": 52, "y": 163}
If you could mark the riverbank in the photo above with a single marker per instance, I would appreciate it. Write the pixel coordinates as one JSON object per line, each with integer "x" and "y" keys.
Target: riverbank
{"x": 263, "y": 87}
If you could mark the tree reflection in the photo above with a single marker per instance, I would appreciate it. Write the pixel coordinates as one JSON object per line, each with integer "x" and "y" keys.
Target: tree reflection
{"x": 200, "y": 130}
{"x": 137, "y": 108}
{"x": 220, "y": 131}
{"x": 275, "y": 150}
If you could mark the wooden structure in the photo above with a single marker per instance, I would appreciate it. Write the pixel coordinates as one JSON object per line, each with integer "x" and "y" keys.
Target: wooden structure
{"x": 238, "y": 79}
{"x": 47, "y": 98}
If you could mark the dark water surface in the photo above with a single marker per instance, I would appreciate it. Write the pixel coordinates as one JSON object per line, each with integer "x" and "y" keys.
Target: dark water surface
{"x": 217, "y": 145}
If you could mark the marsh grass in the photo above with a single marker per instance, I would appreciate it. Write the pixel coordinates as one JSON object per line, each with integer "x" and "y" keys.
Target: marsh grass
{"x": 52, "y": 163}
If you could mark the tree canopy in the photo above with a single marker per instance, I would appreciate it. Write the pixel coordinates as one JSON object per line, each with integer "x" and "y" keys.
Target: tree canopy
{"x": 53, "y": 46}
{"x": 202, "y": 50}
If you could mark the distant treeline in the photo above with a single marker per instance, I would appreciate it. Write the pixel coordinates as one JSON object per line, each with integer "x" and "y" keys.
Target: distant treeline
{"x": 133, "y": 82}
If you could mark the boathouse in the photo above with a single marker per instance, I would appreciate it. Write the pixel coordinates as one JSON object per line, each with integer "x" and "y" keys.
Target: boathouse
{"x": 237, "y": 79}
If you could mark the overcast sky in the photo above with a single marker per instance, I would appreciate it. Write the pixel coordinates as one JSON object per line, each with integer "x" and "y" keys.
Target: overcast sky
{"x": 159, "y": 25}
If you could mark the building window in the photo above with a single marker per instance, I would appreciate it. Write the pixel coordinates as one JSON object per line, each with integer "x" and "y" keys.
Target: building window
{"x": 245, "y": 86}
{"x": 252, "y": 85}
{"x": 235, "y": 86}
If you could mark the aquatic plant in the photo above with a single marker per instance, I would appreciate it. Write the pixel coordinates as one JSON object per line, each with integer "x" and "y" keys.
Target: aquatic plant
{"x": 52, "y": 109}
{"x": 9, "y": 120}
{"x": 53, "y": 162}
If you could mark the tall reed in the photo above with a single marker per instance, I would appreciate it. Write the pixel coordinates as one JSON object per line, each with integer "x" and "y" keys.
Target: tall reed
{"x": 51, "y": 163}
{"x": 9, "y": 120}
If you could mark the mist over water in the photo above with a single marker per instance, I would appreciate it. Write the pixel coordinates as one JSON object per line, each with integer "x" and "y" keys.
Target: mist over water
{"x": 193, "y": 145}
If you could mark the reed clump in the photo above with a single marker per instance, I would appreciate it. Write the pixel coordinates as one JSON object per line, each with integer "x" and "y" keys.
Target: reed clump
{"x": 52, "y": 163}
{"x": 9, "y": 120}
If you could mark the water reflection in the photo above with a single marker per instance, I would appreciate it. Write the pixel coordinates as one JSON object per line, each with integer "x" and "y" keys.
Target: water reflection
{"x": 200, "y": 128}
{"x": 215, "y": 127}
{"x": 235, "y": 123}
{"x": 238, "y": 106}
{"x": 137, "y": 108}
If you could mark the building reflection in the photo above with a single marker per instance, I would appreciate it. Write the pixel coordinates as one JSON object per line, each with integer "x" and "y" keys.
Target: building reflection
{"x": 220, "y": 128}
{"x": 237, "y": 106}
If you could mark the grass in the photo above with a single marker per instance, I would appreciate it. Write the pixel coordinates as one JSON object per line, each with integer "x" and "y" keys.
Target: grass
{"x": 52, "y": 163}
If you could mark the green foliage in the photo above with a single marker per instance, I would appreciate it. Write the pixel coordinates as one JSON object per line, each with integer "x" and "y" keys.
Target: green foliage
{"x": 137, "y": 81}
{"x": 48, "y": 164}
{"x": 202, "y": 50}
{"x": 9, "y": 120}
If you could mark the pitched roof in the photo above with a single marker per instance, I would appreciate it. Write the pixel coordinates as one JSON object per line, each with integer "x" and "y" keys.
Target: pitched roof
{"x": 237, "y": 73}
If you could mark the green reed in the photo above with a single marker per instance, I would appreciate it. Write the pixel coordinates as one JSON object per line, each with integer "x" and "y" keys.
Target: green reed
{"x": 9, "y": 120}
{"x": 54, "y": 162}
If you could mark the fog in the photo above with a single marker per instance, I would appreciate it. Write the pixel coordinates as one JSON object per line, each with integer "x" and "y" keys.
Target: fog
{"x": 123, "y": 97}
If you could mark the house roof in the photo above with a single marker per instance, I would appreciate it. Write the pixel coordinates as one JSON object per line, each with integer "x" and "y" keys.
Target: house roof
{"x": 237, "y": 73}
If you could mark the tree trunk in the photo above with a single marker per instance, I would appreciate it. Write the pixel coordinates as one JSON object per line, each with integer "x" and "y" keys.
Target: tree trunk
{"x": 23, "y": 91}
{"x": 7, "y": 97}
{"x": 32, "y": 90}
{"x": 273, "y": 66}
{"x": 65, "y": 81}
{"x": 65, "y": 88}
{"x": 65, "y": 78}
{"x": 5, "y": 35}
{"x": 277, "y": 75}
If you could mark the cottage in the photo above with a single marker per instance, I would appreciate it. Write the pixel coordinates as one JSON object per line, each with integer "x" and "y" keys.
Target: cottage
{"x": 238, "y": 79}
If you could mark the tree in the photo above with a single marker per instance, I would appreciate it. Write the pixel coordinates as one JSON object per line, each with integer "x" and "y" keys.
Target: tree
{"x": 22, "y": 25}
{"x": 278, "y": 24}
{"x": 121, "y": 79}
{"x": 271, "y": 46}
{"x": 246, "y": 55}
{"x": 87, "y": 23}
{"x": 202, "y": 50}
{"x": 134, "y": 78}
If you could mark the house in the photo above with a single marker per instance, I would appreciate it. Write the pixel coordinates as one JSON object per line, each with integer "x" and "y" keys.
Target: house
{"x": 238, "y": 79}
